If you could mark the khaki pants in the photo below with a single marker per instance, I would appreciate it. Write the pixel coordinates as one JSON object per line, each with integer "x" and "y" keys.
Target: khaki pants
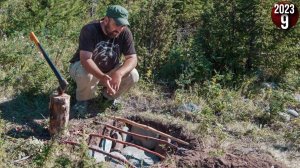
{"x": 87, "y": 83}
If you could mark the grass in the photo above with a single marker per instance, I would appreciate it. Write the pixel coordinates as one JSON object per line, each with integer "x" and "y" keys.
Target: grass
{"x": 227, "y": 115}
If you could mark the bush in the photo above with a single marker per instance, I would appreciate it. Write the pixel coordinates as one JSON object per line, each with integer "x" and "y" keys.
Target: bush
{"x": 25, "y": 69}
{"x": 153, "y": 26}
{"x": 51, "y": 17}
{"x": 175, "y": 66}
{"x": 240, "y": 39}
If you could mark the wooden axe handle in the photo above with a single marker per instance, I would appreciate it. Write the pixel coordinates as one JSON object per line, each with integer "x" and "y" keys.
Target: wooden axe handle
{"x": 34, "y": 38}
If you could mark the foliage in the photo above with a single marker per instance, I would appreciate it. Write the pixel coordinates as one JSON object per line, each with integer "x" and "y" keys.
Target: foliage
{"x": 224, "y": 36}
{"x": 153, "y": 27}
{"x": 23, "y": 68}
{"x": 292, "y": 135}
{"x": 239, "y": 38}
{"x": 201, "y": 38}
{"x": 3, "y": 153}
{"x": 279, "y": 53}
{"x": 228, "y": 104}
{"x": 174, "y": 66}
{"x": 273, "y": 101}
{"x": 46, "y": 16}
{"x": 211, "y": 53}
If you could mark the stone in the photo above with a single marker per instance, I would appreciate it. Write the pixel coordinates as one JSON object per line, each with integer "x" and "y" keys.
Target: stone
{"x": 138, "y": 157}
{"x": 105, "y": 145}
{"x": 150, "y": 144}
{"x": 181, "y": 151}
{"x": 116, "y": 163}
{"x": 297, "y": 97}
{"x": 188, "y": 107}
{"x": 270, "y": 85}
{"x": 285, "y": 116}
{"x": 98, "y": 156}
{"x": 125, "y": 137}
{"x": 292, "y": 112}
{"x": 116, "y": 145}
{"x": 246, "y": 100}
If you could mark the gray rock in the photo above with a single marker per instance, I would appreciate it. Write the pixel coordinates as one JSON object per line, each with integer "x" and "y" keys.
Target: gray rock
{"x": 285, "y": 116}
{"x": 181, "y": 151}
{"x": 270, "y": 85}
{"x": 138, "y": 157}
{"x": 116, "y": 163}
{"x": 246, "y": 100}
{"x": 150, "y": 144}
{"x": 118, "y": 154}
{"x": 98, "y": 156}
{"x": 188, "y": 107}
{"x": 36, "y": 142}
{"x": 105, "y": 145}
{"x": 292, "y": 112}
{"x": 297, "y": 97}
{"x": 4, "y": 99}
{"x": 126, "y": 137}
{"x": 117, "y": 146}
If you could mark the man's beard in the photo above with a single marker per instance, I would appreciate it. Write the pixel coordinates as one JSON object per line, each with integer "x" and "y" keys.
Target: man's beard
{"x": 111, "y": 34}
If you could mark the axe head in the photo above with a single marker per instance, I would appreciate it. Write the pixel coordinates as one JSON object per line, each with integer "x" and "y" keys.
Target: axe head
{"x": 62, "y": 86}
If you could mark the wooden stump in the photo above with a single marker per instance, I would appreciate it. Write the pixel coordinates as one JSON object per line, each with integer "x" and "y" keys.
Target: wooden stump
{"x": 59, "y": 113}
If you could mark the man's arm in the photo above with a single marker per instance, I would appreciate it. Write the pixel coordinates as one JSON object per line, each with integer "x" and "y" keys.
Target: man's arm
{"x": 90, "y": 66}
{"x": 128, "y": 65}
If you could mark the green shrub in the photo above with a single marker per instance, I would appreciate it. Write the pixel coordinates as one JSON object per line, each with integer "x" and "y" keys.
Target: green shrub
{"x": 227, "y": 103}
{"x": 3, "y": 154}
{"x": 51, "y": 17}
{"x": 25, "y": 69}
{"x": 175, "y": 66}
{"x": 292, "y": 134}
{"x": 153, "y": 26}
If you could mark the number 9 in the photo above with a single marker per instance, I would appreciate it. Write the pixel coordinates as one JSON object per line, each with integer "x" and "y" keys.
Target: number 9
{"x": 284, "y": 21}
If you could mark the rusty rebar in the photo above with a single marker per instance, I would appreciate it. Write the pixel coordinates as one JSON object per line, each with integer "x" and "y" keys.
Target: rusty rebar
{"x": 105, "y": 153}
{"x": 130, "y": 144}
{"x": 150, "y": 129}
{"x": 138, "y": 135}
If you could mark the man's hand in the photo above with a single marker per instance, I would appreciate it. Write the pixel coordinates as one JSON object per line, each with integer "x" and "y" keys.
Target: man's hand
{"x": 115, "y": 81}
{"x": 105, "y": 81}
{"x": 116, "y": 76}
{"x": 91, "y": 67}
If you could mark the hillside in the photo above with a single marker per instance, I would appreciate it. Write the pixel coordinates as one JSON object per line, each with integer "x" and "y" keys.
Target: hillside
{"x": 219, "y": 76}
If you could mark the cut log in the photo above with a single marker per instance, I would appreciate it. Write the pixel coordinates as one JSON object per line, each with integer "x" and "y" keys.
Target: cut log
{"x": 59, "y": 113}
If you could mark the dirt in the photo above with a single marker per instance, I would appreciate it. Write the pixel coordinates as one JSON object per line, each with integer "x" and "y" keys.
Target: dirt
{"x": 196, "y": 154}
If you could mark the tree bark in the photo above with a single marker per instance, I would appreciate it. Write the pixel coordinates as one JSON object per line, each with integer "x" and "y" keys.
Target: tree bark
{"x": 59, "y": 113}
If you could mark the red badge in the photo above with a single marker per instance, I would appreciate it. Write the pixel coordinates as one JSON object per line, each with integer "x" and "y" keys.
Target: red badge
{"x": 285, "y": 15}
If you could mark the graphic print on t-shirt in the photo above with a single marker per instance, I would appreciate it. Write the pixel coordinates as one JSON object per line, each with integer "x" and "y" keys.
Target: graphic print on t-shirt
{"x": 106, "y": 54}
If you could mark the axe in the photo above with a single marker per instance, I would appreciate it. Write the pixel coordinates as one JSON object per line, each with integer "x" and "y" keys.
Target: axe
{"x": 62, "y": 82}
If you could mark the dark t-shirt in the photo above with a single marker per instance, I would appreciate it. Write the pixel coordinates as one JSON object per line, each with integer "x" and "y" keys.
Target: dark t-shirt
{"x": 106, "y": 51}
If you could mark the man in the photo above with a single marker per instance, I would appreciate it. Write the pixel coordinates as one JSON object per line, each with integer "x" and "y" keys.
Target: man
{"x": 97, "y": 60}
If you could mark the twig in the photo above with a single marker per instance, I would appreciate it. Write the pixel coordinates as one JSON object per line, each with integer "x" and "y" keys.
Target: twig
{"x": 138, "y": 135}
{"x": 105, "y": 153}
{"x": 22, "y": 159}
{"x": 42, "y": 115}
{"x": 130, "y": 144}
{"x": 150, "y": 129}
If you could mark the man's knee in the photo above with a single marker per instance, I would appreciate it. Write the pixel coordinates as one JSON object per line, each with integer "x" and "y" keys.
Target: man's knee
{"x": 134, "y": 75}
{"x": 79, "y": 74}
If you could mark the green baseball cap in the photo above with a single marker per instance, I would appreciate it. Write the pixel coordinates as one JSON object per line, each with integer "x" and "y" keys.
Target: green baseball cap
{"x": 119, "y": 14}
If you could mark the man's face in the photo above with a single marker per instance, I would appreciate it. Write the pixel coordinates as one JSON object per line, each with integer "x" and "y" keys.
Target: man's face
{"x": 112, "y": 29}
